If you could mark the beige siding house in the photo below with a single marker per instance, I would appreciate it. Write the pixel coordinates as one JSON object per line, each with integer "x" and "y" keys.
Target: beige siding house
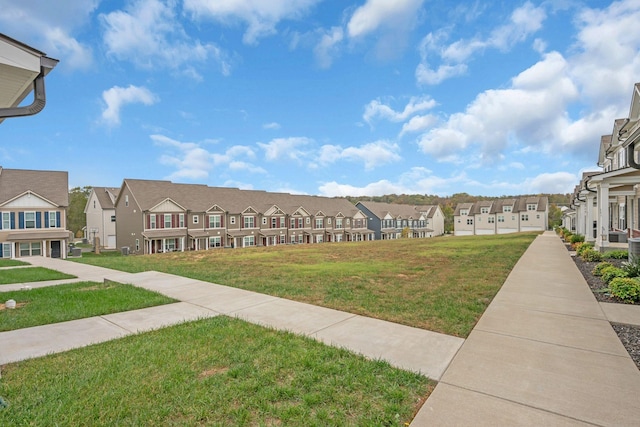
{"x": 33, "y": 217}
{"x": 100, "y": 213}
{"x": 501, "y": 216}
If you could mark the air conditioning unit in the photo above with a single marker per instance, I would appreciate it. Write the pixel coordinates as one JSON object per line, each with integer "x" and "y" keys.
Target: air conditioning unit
{"x": 634, "y": 248}
{"x": 125, "y": 250}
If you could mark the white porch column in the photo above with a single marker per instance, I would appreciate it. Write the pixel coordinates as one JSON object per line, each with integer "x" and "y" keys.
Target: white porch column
{"x": 182, "y": 244}
{"x": 589, "y": 221}
{"x": 602, "y": 239}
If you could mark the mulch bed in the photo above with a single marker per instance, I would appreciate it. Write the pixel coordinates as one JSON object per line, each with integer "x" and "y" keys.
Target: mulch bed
{"x": 629, "y": 335}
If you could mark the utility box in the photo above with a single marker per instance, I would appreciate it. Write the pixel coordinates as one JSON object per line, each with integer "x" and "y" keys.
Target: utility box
{"x": 125, "y": 250}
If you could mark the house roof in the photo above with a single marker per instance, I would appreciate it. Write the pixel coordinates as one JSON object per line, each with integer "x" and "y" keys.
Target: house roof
{"x": 106, "y": 196}
{"x": 50, "y": 185}
{"x": 496, "y": 206}
{"x": 462, "y": 206}
{"x": 200, "y": 198}
{"x": 396, "y": 210}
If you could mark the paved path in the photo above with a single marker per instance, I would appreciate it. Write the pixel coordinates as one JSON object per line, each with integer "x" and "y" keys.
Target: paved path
{"x": 408, "y": 348}
{"x": 543, "y": 354}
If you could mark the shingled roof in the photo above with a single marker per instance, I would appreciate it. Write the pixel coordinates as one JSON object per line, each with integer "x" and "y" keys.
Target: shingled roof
{"x": 50, "y": 185}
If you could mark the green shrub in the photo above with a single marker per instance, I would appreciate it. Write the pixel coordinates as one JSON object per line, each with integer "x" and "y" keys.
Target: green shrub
{"x": 617, "y": 255}
{"x": 610, "y": 273}
{"x": 625, "y": 288}
{"x": 597, "y": 270}
{"x": 632, "y": 268}
{"x": 591, "y": 255}
{"x": 585, "y": 246}
{"x": 576, "y": 238}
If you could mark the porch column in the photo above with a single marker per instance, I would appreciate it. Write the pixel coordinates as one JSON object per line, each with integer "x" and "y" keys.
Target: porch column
{"x": 588, "y": 234}
{"x": 602, "y": 239}
{"x": 182, "y": 244}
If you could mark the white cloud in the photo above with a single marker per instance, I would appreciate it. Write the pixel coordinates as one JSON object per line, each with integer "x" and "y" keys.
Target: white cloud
{"x": 372, "y": 155}
{"x": 49, "y": 26}
{"x": 260, "y": 16}
{"x": 271, "y": 126}
{"x": 396, "y": 15}
{"x": 524, "y": 21}
{"x": 415, "y": 105}
{"x": 327, "y": 47}
{"x": 148, "y": 34}
{"x": 418, "y": 124}
{"x": 116, "y": 97}
{"x": 532, "y": 112}
{"x": 285, "y": 148}
{"x": 556, "y": 182}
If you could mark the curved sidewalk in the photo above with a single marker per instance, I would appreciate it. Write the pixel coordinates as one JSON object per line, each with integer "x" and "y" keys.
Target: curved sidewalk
{"x": 402, "y": 346}
{"x": 543, "y": 353}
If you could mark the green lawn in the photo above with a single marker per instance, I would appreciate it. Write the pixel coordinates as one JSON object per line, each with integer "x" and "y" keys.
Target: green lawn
{"x": 30, "y": 274}
{"x": 219, "y": 371}
{"x": 441, "y": 284}
{"x": 51, "y": 304}
{"x": 11, "y": 262}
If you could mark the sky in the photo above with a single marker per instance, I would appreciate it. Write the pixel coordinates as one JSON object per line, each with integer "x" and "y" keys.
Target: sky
{"x": 326, "y": 97}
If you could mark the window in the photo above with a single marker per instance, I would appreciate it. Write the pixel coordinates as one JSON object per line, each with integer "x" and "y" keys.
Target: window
{"x": 300, "y": 222}
{"x": 196, "y": 219}
{"x": 274, "y": 222}
{"x": 30, "y": 249}
{"x": 292, "y": 223}
{"x": 6, "y": 220}
{"x": 491, "y": 220}
{"x": 29, "y": 220}
{"x": 282, "y": 239}
{"x": 113, "y": 218}
{"x": 264, "y": 221}
{"x": 232, "y": 220}
{"x": 308, "y": 221}
{"x": 464, "y": 212}
{"x": 53, "y": 223}
{"x": 338, "y": 222}
{"x": 249, "y": 241}
{"x": 215, "y": 242}
{"x": 506, "y": 209}
{"x": 319, "y": 222}
{"x": 292, "y": 240}
{"x": 469, "y": 221}
{"x": 126, "y": 200}
{"x": 249, "y": 221}
{"x": 348, "y": 221}
{"x": 94, "y": 204}
{"x": 170, "y": 245}
{"x": 484, "y": 210}
{"x": 167, "y": 220}
{"x": 152, "y": 221}
{"x": 318, "y": 238}
{"x": 6, "y": 250}
{"x": 328, "y": 221}
{"x": 215, "y": 221}
{"x": 531, "y": 207}
{"x": 524, "y": 217}
{"x": 500, "y": 218}
{"x": 181, "y": 220}
{"x": 538, "y": 217}
{"x": 137, "y": 245}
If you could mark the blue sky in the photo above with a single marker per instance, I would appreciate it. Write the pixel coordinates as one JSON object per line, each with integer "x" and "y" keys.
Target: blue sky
{"x": 333, "y": 97}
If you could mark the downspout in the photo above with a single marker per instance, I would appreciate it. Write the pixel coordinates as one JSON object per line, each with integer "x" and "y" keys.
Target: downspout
{"x": 39, "y": 100}
{"x": 631, "y": 158}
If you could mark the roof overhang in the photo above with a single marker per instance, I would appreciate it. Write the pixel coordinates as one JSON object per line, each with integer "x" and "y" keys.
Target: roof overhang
{"x": 20, "y": 67}
{"x": 37, "y": 235}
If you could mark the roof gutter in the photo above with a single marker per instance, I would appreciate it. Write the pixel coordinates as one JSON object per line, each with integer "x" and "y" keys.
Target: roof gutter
{"x": 631, "y": 157}
{"x": 39, "y": 100}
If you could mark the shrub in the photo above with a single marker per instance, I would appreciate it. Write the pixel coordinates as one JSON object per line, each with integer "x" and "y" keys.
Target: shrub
{"x": 625, "y": 288}
{"x": 591, "y": 255}
{"x": 632, "y": 268}
{"x": 610, "y": 273}
{"x": 585, "y": 246}
{"x": 576, "y": 238}
{"x": 597, "y": 270}
{"x": 617, "y": 255}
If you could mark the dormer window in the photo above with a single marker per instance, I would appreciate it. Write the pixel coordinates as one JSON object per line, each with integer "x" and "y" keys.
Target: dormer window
{"x": 464, "y": 212}
{"x": 506, "y": 209}
{"x": 484, "y": 210}
{"x": 532, "y": 207}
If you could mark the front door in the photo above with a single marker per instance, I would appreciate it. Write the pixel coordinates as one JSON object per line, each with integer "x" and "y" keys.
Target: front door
{"x": 55, "y": 249}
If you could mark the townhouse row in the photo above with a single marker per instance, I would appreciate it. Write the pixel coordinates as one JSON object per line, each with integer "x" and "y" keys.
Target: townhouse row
{"x": 605, "y": 206}
{"x": 501, "y": 216}
{"x": 148, "y": 216}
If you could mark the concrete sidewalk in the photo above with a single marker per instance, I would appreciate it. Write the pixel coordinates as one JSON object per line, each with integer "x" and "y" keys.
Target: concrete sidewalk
{"x": 408, "y": 348}
{"x": 543, "y": 353}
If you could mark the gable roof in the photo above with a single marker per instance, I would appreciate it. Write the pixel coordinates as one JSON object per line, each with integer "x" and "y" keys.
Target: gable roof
{"x": 397, "y": 210}
{"x": 106, "y": 196}
{"x": 50, "y": 185}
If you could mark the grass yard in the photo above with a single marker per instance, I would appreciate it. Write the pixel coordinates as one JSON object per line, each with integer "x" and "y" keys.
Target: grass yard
{"x": 30, "y": 274}
{"x": 11, "y": 263}
{"x": 442, "y": 284}
{"x": 52, "y": 304}
{"x": 218, "y": 371}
